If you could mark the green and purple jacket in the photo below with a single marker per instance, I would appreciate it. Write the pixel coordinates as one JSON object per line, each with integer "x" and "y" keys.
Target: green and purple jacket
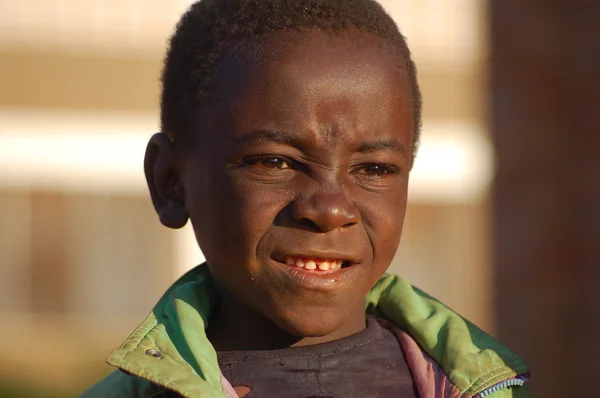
{"x": 448, "y": 356}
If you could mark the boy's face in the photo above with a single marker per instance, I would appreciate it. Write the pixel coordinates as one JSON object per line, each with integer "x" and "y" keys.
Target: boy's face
{"x": 304, "y": 156}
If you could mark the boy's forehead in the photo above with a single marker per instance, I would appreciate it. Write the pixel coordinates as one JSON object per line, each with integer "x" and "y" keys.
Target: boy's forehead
{"x": 293, "y": 80}
{"x": 289, "y": 63}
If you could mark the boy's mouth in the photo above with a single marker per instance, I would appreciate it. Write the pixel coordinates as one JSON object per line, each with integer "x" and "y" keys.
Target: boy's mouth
{"x": 326, "y": 271}
{"x": 316, "y": 264}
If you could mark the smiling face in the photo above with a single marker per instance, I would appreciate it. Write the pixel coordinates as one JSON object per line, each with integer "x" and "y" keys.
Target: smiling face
{"x": 297, "y": 184}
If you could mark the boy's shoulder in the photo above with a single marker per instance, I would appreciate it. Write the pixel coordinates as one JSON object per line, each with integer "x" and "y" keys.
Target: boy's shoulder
{"x": 170, "y": 352}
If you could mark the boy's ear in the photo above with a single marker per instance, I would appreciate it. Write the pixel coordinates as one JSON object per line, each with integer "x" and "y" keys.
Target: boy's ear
{"x": 162, "y": 176}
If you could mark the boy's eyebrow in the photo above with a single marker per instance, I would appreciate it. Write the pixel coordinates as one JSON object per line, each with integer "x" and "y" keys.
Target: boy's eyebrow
{"x": 391, "y": 144}
{"x": 259, "y": 137}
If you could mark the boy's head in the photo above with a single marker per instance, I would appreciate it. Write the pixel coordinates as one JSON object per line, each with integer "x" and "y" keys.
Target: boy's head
{"x": 215, "y": 29}
{"x": 290, "y": 128}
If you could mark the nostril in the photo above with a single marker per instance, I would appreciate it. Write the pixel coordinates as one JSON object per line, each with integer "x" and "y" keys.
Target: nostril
{"x": 309, "y": 225}
{"x": 326, "y": 221}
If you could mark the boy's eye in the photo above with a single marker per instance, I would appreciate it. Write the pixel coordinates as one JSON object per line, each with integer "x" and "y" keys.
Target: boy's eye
{"x": 376, "y": 170}
{"x": 271, "y": 162}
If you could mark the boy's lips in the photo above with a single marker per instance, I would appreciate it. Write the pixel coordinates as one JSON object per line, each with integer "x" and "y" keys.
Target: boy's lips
{"x": 323, "y": 272}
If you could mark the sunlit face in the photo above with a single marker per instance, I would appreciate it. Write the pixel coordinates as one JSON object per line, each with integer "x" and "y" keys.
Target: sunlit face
{"x": 297, "y": 186}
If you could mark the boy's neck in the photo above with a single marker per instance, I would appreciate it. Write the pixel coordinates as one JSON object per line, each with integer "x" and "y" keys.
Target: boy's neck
{"x": 234, "y": 327}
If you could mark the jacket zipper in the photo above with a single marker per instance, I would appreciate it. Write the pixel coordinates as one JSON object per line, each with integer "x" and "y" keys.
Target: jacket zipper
{"x": 516, "y": 381}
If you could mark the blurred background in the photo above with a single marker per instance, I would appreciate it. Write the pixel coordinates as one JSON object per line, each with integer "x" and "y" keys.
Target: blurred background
{"x": 503, "y": 211}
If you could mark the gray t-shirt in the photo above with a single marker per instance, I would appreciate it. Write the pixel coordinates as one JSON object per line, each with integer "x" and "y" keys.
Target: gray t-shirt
{"x": 367, "y": 364}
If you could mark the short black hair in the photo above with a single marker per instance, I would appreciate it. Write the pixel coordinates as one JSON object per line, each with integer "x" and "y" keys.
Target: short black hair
{"x": 211, "y": 28}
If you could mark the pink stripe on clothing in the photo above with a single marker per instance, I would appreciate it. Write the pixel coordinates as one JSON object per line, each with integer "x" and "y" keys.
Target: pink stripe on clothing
{"x": 430, "y": 379}
{"x": 227, "y": 388}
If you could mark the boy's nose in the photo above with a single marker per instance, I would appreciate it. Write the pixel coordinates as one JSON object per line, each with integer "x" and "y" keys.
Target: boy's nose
{"x": 325, "y": 211}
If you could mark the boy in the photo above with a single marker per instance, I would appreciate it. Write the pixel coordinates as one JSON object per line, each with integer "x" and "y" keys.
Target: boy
{"x": 289, "y": 128}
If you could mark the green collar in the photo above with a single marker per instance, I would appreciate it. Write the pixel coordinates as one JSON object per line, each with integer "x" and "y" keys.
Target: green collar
{"x": 472, "y": 359}
{"x": 170, "y": 347}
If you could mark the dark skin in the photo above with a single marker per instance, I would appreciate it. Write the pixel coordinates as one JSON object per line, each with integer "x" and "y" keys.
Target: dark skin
{"x": 306, "y": 152}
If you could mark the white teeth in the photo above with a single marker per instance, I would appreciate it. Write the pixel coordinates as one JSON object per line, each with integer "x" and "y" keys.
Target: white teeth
{"x": 309, "y": 264}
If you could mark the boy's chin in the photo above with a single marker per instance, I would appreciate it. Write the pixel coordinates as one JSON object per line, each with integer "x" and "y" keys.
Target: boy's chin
{"x": 321, "y": 326}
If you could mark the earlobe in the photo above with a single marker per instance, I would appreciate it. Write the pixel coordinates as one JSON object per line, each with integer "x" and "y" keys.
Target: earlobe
{"x": 164, "y": 183}
{"x": 174, "y": 215}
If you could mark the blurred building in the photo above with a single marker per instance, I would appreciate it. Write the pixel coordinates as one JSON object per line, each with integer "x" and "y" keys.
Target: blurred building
{"x": 79, "y": 100}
